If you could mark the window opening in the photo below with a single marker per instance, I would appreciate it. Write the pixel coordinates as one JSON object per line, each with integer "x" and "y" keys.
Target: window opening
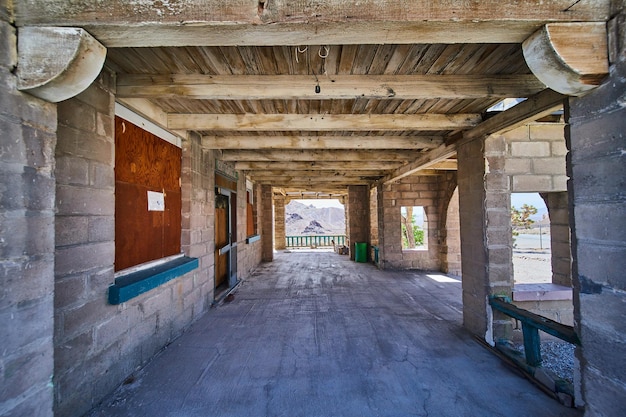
{"x": 532, "y": 254}
{"x": 414, "y": 226}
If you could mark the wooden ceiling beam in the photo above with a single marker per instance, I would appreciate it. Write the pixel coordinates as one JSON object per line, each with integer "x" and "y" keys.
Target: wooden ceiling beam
{"x": 445, "y": 165}
{"x": 315, "y": 165}
{"x": 321, "y": 122}
{"x": 334, "y": 87}
{"x": 321, "y": 142}
{"x": 316, "y": 174}
{"x": 362, "y": 156}
{"x": 281, "y": 22}
{"x": 534, "y": 108}
{"x": 296, "y": 182}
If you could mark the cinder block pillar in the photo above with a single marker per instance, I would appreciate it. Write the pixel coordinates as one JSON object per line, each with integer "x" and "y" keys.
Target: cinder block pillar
{"x": 267, "y": 224}
{"x": 27, "y": 193}
{"x": 358, "y": 216}
{"x": 279, "y": 223}
{"x": 559, "y": 237}
{"x": 486, "y": 249}
{"x": 597, "y": 168}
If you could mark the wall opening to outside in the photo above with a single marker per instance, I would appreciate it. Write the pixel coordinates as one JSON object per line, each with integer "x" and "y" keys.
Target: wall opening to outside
{"x": 315, "y": 224}
{"x": 530, "y": 223}
{"x": 414, "y": 226}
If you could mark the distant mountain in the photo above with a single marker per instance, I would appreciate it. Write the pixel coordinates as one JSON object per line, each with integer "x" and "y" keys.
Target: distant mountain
{"x": 302, "y": 219}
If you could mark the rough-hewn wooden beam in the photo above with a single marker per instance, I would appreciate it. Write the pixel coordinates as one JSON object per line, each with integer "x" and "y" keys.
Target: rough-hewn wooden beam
{"x": 527, "y": 111}
{"x": 124, "y": 23}
{"x": 321, "y": 142}
{"x": 293, "y": 181}
{"x": 445, "y": 165}
{"x": 321, "y": 174}
{"x": 317, "y": 165}
{"x": 533, "y": 108}
{"x": 319, "y": 155}
{"x": 321, "y": 122}
{"x": 281, "y": 87}
{"x": 571, "y": 58}
{"x": 55, "y": 63}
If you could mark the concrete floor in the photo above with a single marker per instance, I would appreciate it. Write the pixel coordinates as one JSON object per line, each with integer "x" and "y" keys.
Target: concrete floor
{"x": 314, "y": 334}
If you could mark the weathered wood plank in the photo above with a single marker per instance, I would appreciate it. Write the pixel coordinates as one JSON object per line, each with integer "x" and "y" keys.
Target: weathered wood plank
{"x": 317, "y": 165}
{"x": 321, "y": 142}
{"x": 317, "y": 122}
{"x": 313, "y": 184}
{"x": 319, "y": 155}
{"x": 280, "y": 22}
{"x": 321, "y": 174}
{"x": 571, "y": 58}
{"x": 271, "y": 87}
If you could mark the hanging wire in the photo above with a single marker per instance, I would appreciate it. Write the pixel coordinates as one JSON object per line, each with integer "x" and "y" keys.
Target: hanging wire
{"x": 299, "y": 50}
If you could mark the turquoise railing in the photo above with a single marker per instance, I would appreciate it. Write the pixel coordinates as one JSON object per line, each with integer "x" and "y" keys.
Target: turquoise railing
{"x": 315, "y": 241}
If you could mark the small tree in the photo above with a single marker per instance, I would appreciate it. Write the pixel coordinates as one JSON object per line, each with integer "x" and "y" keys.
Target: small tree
{"x": 412, "y": 234}
{"x": 520, "y": 218}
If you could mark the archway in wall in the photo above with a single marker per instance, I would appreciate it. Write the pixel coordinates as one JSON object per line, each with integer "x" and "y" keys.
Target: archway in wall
{"x": 452, "y": 260}
{"x": 318, "y": 224}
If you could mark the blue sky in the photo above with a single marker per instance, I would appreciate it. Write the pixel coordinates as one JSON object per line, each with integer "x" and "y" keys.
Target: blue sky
{"x": 322, "y": 203}
{"x": 532, "y": 199}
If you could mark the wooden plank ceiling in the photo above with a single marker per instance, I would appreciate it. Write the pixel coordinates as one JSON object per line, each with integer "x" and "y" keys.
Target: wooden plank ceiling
{"x": 401, "y": 83}
{"x": 312, "y": 119}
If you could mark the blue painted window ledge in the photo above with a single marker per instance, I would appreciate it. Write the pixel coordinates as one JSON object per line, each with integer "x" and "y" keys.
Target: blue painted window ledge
{"x": 136, "y": 283}
{"x": 253, "y": 238}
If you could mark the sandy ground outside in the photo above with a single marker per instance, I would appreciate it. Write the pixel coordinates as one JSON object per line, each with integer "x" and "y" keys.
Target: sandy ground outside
{"x": 532, "y": 259}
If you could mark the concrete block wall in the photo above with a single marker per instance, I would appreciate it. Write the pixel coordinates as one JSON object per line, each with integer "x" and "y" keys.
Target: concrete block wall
{"x": 374, "y": 216}
{"x": 27, "y": 195}
{"x": 279, "y": 223}
{"x": 198, "y": 218}
{"x": 560, "y": 242}
{"x": 428, "y": 191}
{"x": 98, "y": 345}
{"x": 358, "y": 219}
{"x": 484, "y": 204}
{"x": 451, "y": 251}
{"x": 267, "y": 223}
{"x": 248, "y": 254}
{"x": 597, "y": 169}
{"x": 535, "y": 158}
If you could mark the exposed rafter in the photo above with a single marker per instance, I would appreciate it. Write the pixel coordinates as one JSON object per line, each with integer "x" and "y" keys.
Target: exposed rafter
{"x": 321, "y": 142}
{"x": 319, "y": 155}
{"x": 321, "y": 122}
{"x": 286, "y": 87}
{"x": 316, "y": 165}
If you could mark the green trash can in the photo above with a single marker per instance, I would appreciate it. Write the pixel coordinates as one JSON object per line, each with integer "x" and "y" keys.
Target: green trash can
{"x": 360, "y": 252}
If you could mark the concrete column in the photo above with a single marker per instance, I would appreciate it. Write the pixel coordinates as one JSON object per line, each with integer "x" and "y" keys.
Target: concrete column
{"x": 560, "y": 244}
{"x": 279, "y": 223}
{"x": 267, "y": 224}
{"x": 85, "y": 249}
{"x": 597, "y": 168}
{"x": 486, "y": 262}
{"x": 358, "y": 216}
{"x": 27, "y": 193}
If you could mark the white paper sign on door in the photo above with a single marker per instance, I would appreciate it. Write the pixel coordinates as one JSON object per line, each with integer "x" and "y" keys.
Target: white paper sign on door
{"x": 156, "y": 201}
